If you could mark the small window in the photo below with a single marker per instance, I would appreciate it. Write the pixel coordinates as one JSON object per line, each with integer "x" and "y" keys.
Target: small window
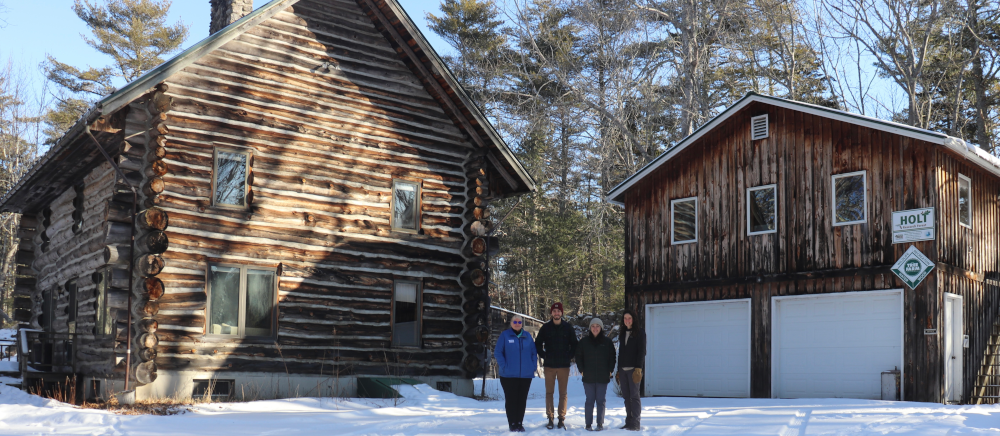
{"x": 78, "y": 209}
{"x": 965, "y": 201}
{"x": 241, "y": 301}
{"x": 758, "y": 127}
{"x": 405, "y": 205}
{"x": 762, "y": 210}
{"x": 213, "y": 390}
{"x": 684, "y": 220}
{"x": 849, "y": 199}
{"x": 229, "y": 186}
{"x": 406, "y": 314}
{"x": 71, "y": 309}
{"x": 103, "y": 321}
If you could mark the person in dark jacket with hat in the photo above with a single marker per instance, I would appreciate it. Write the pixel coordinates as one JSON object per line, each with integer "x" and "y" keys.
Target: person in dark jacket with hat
{"x": 517, "y": 360}
{"x": 556, "y": 343}
{"x": 595, "y": 358}
{"x": 631, "y": 357}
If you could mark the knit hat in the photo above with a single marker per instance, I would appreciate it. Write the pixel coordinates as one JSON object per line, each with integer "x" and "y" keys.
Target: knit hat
{"x": 556, "y": 305}
{"x": 596, "y": 320}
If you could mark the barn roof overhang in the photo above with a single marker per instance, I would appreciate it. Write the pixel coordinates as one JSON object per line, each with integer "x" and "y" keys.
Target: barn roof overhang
{"x": 48, "y": 169}
{"x": 970, "y": 151}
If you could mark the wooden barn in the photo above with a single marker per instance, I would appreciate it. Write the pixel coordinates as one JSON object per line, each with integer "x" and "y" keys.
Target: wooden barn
{"x": 311, "y": 188}
{"x": 766, "y": 255}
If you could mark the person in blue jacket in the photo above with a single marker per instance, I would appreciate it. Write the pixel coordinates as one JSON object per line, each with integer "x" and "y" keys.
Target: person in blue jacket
{"x": 517, "y": 360}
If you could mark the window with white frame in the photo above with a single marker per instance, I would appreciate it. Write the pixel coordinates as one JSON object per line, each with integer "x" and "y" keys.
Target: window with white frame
{"x": 405, "y": 205}
{"x": 406, "y": 313}
{"x": 850, "y": 202}
{"x": 762, "y": 210}
{"x": 241, "y": 301}
{"x": 965, "y": 201}
{"x": 684, "y": 220}
{"x": 229, "y": 181}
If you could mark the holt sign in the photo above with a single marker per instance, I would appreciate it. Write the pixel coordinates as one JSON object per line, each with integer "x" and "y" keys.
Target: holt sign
{"x": 913, "y": 225}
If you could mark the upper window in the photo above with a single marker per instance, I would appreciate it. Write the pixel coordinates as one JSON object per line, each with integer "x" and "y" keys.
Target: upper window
{"x": 849, "y": 198}
{"x": 684, "y": 220}
{"x": 78, "y": 209}
{"x": 241, "y": 301}
{"x": 965, "y": 201}
{"x": 762, "y": 210}
{"x": 405, "y": 205}
{"x": 406, "y": 314}
{"x": 229, "y": 184}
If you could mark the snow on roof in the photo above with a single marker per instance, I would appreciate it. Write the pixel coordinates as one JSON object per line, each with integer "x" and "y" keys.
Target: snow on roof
{"x": 971, "y": 152}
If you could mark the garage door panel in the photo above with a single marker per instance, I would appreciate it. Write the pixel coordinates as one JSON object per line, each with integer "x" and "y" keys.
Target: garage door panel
{"x": 700, "y": 349}
{"x": 836, "y": 345}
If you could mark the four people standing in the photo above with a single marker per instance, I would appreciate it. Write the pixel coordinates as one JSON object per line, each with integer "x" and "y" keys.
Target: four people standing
{"x": 631, "y": 356}
{"x": 517, "y": 360}
{"x": 556, "y": 344}
{"x": 595, "y": 358}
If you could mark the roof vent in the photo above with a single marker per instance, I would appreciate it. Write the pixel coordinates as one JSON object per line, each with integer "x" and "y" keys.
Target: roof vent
{"x": 758, "y": 127}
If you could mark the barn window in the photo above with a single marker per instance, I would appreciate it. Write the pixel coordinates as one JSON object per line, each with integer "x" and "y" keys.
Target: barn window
{"x": 241, "y": 301}
{"x": 229, "y": 184}
{"x": 849, "y": 199}
{"x": 405, "y": 205}
{"x": 965, "y": 201}
{"x": 762, "y": 210}
{"x": 406, "y": 313}
{"x": 684, "y": 220}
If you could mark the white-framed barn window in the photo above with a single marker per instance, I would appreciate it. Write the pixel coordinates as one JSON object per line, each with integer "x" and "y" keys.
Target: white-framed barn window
{"x": 406, "y": 316}
{"x": 964, "y": 200}
{"x": 758, "y": 127}
{"x": 850, "y": 198}
{"x": 405, "y": 206}
{"x": 229, "y": 178}
{"x": 241, "y": 301}
{"x": 762, "y": 210}
{"x": 684, "y": 220}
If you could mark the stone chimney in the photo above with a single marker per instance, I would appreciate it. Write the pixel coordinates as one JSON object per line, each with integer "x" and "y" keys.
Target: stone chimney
{"x": 226, "y": 12}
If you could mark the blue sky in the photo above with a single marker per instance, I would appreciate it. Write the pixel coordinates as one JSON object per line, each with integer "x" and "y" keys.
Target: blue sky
{"x": 30, "y": 29}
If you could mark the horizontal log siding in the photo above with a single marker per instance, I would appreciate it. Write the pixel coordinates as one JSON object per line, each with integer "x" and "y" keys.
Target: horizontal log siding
{"x": 333, "y": 115}
{"x": 76, "y": 256}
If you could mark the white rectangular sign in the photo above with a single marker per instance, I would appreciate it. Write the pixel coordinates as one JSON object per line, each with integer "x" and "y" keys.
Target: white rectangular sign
{"x": 913, "y": 225}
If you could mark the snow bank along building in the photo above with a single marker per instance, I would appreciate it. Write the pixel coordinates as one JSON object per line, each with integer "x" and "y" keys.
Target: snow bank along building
{"x": 312, "y": 190}
{"x": 760, "y": 252}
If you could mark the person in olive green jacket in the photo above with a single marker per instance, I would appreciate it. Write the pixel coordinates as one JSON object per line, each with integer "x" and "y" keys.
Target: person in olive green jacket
{"x": 595, "y": 358}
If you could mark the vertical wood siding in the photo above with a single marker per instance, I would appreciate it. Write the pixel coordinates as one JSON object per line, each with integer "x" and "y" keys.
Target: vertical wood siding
{"x": 808, "y": 254}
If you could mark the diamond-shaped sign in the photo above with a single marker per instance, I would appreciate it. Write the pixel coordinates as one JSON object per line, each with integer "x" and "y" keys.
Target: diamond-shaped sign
{"x": 912, "y": 267}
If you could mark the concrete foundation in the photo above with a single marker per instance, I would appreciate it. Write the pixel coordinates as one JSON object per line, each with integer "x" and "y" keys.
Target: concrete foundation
{"x": 250, "y": 386}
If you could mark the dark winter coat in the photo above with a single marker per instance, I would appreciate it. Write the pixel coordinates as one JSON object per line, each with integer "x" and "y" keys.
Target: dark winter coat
{"x": 556, "y": 344}
{"x": 633, "y": 353}
{"x": 595, "y": 358}
{"x": 515, "y": 354}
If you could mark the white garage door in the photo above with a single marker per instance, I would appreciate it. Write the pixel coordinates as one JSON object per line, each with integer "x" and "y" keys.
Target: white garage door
{"x": 699, "y": 349}
{"x": 835, "y": 346}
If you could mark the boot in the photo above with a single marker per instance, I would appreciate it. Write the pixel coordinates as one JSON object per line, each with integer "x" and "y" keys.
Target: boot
{"x": 561, "y": 424}
{"x": 550, "y": 425}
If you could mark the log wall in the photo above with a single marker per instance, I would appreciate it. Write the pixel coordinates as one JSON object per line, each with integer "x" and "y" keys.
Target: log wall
{"x": 808, "y": 254}
{"x": 331, "y": 115}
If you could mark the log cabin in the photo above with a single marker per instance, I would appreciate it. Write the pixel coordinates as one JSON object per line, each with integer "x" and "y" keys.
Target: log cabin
{"x": 760, "y": 254}
{"x": 298, "y": 200}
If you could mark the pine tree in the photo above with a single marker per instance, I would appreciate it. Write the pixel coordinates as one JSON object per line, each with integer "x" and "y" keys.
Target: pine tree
{"x": 133, "y": 33}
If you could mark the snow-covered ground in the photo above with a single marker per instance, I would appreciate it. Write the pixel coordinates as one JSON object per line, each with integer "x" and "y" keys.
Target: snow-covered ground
{"x": 425, "y": 411}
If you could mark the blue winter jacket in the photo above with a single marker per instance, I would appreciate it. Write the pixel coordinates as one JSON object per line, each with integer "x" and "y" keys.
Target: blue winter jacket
{"x": 516, "y": 355}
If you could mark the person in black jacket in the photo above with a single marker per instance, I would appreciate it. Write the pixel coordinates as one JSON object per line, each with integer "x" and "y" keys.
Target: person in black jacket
{"x": 556, "y": 344}
{"x": 595, "y": 357}
{"x": 631, "y": 357}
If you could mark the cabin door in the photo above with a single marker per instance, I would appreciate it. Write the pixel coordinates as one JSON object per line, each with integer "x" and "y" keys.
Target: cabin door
{"x": 953, "y": 344}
